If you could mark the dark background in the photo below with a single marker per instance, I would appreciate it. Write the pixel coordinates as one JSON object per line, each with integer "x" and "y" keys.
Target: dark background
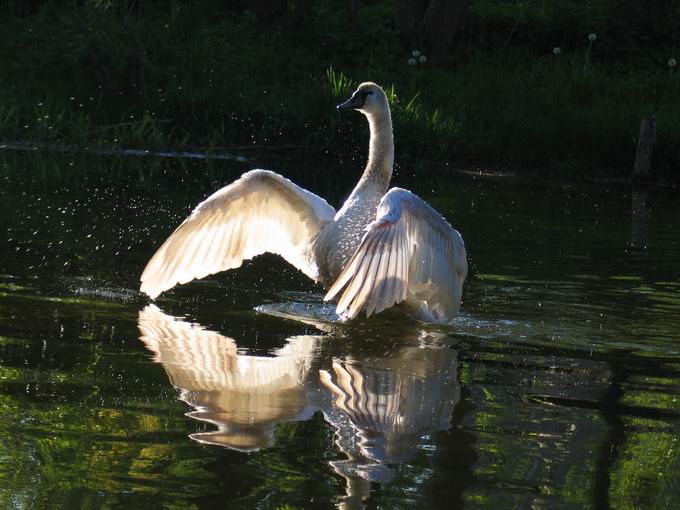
{"x": 265, "y": 75}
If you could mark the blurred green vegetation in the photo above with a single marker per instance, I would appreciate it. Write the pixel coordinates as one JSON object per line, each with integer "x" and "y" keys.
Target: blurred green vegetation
{"x": 215, "y": 74}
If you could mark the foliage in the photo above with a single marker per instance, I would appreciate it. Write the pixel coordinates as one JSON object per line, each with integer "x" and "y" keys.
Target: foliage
{"x": 212, "y": 74}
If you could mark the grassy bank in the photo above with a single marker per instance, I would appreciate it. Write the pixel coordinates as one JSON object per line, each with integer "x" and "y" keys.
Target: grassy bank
{"x": 199, "y": 74}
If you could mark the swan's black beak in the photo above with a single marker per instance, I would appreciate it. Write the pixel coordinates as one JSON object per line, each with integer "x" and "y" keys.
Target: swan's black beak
{"x": 353, "y": 103}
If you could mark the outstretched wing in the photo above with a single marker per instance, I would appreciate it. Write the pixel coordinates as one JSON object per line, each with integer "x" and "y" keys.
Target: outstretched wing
{"x": 260, "y": 212}
{"x": 409, "y": 251}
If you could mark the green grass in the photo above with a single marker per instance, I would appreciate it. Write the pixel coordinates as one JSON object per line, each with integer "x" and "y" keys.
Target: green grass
{"x": 183, "y": 76}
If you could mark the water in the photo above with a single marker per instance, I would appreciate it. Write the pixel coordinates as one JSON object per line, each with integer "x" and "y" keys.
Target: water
{"x": 558, "y": 385}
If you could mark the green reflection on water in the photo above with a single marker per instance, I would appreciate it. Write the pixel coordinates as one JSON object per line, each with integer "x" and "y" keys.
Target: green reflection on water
{"x": 557, "y": 386}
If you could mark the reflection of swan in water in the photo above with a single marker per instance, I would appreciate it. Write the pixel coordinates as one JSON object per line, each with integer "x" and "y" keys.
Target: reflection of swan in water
{"x": 383, "y": 407}
{"x": 244, "y": 396}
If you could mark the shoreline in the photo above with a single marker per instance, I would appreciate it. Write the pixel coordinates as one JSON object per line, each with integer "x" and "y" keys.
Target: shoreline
{"x": 429, "y": 168}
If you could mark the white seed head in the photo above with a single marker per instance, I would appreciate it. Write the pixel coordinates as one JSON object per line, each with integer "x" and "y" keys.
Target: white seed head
{"x": 411, "y": 61}
{"x": 422, "y": 59}
{"x": 592, "y": 36}
{"x": 415, "y": 53}
{"x": 557, "y": 50}
{"x": 672, "y": 62}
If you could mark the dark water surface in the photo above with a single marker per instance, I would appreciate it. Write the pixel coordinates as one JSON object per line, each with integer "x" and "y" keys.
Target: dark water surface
{"x": 558, "y": 386}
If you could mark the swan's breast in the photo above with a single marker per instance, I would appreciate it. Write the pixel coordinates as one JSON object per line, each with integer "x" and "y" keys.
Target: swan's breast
{"x": 338, "y": 241}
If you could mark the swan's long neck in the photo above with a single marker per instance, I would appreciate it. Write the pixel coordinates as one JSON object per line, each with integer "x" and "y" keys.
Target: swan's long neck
{"x": 375, "y": 180}
{"x": 337, "y": 242}
{"x": 378, "y": 171}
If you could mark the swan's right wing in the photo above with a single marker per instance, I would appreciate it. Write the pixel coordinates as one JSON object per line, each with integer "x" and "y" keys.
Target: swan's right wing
{"x": 409, "y": 251}
{"x": 260, "y": 212}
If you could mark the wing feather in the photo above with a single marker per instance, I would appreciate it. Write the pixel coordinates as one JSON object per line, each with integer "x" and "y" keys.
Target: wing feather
{"x": 367, "y": 285}
{"x": 362, "y": 263}
{"x": 382, "y": 279}
{"x": 409, "y": 253}
{"x": 260, "y": 212}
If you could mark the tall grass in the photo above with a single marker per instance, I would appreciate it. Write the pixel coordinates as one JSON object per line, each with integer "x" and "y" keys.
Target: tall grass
{"x": 547, "y": 113}
{"x": 172, "y": 79}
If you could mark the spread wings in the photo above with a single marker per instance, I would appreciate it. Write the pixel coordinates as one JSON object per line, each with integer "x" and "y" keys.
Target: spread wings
{"x": 260, "y": 212}
{"x": 410, "y": 251}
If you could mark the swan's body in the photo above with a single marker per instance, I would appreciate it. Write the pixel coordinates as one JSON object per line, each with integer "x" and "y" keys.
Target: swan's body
{"x": 380, "y": 249}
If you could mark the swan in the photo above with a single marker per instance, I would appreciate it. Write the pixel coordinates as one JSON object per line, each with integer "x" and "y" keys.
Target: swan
{"x": 382, "y": 248}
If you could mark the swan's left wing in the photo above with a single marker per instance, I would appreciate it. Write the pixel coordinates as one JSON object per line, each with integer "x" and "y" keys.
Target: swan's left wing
{"x": 260, "y": 212}
{"x": 409, "y": 251}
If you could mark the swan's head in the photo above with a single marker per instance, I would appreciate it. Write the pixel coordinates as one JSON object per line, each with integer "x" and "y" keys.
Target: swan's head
{"x": 368, "y": 98}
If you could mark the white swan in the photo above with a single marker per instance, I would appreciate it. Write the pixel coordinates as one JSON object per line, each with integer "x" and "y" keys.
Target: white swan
{"x": 380, "y": 249}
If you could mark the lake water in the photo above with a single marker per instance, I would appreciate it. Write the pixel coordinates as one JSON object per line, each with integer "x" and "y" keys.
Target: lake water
{"x": 558, "y": 386}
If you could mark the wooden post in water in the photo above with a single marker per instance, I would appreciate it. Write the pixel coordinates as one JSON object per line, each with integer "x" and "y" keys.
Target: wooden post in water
{"x": 645, "y": 144}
